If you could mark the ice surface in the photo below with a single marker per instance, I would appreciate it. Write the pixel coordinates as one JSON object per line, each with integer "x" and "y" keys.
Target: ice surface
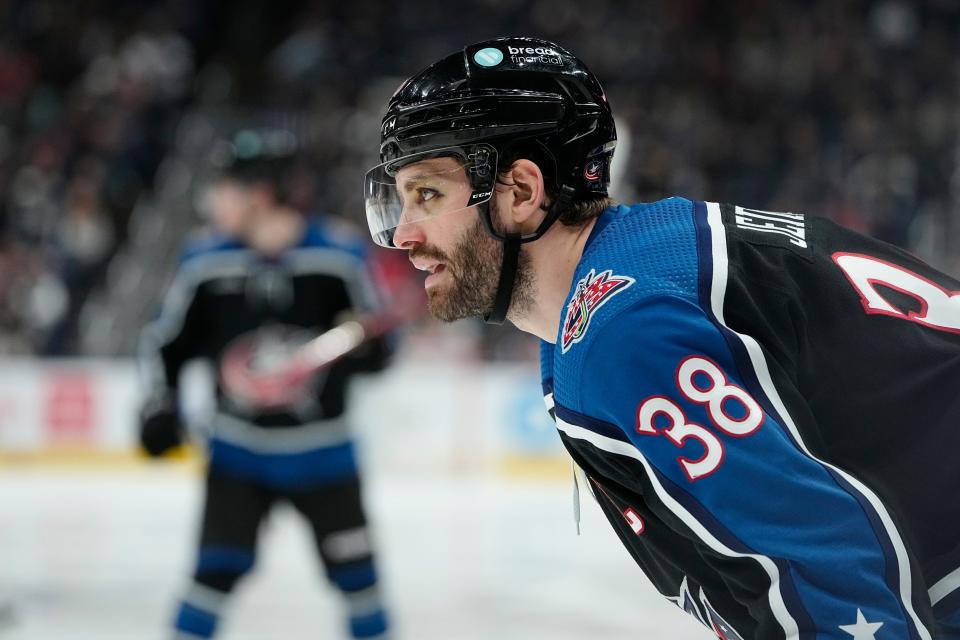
{"x": 103, "y": 553}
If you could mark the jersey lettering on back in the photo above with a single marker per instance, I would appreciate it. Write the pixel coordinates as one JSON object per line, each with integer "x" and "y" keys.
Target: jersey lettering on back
{"x": 780, "y": 228}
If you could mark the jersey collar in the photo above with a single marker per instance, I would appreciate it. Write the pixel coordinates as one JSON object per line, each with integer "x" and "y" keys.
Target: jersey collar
{"x": 603, "y": 220}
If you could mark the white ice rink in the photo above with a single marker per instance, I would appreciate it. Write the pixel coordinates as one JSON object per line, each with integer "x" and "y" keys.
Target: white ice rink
{"x": 102, "y": 554}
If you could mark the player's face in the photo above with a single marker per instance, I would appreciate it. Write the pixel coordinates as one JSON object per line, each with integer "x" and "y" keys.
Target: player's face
{"x": 462, "y": 257}
{"x": 230, "y": 207}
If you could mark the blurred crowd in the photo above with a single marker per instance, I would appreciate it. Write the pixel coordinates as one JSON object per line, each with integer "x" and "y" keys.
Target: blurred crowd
{"x": 87, "y": 95}
{"x": 845, "y": 109}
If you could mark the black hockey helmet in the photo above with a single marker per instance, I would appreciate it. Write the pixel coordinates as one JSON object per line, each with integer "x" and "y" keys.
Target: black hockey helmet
{"x": 475, "y": 106}
{"x": 254, "y": 156}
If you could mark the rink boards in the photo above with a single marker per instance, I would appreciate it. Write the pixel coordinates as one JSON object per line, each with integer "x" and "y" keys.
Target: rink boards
{"x": 416, "y": 415}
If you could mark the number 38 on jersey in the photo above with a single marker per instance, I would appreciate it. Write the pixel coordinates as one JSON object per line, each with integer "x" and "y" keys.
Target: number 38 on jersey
{"x": 731, "y": 411}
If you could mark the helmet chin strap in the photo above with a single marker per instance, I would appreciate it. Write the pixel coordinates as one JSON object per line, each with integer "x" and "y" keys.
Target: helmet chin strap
{"x": 511, "y": 257}
{"x": 508, "y": 275}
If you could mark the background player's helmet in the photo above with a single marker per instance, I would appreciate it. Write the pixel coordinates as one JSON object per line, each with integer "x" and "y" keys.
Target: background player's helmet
{"x": 258, "y": 156}
{"x": 477, "y": 105}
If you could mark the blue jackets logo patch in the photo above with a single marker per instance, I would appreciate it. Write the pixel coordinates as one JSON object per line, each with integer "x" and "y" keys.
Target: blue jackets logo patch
{"x": 591, "y": 293}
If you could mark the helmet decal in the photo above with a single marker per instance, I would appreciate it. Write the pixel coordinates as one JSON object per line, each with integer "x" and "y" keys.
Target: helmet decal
{"x": 488, "y": 57}
{"x": 593, "y": 171}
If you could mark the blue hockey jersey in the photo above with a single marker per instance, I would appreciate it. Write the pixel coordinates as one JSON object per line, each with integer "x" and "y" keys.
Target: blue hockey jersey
{"x": 765, "y": 406}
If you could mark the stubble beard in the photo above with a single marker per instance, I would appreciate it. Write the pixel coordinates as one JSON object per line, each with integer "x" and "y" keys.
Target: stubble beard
{"x": 474, "y": 267}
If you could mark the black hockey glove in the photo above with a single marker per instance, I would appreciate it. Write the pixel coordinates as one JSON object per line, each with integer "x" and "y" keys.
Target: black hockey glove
{"x": 160, "y": 428}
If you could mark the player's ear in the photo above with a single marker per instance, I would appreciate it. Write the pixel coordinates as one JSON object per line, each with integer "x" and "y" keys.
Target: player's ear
{"x": 527, "y": 194}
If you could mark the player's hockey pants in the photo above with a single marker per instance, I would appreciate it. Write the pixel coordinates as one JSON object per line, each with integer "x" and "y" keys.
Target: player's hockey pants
{"x": 233, "y": 512}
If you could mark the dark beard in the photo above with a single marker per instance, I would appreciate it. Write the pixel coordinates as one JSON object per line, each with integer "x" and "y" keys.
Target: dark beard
{"x": 475, "y": 269}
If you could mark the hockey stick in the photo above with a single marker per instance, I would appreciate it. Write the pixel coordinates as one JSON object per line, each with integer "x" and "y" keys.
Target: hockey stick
{"x": 249, "y": 383}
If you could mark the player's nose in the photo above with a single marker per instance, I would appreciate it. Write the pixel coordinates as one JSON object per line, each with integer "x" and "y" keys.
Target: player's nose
{"x": 407, "y": 235}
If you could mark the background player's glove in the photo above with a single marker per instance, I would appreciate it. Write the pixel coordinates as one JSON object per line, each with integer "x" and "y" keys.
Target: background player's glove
{"x": 160, "y": 428}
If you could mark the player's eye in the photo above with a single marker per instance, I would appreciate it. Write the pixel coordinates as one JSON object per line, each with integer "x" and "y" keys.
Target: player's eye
{"x": 420, "y": 200}
{"x": 427, "y": 194}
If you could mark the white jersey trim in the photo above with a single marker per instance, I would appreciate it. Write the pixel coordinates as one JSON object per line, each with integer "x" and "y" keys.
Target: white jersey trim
{"x": 279, "y": 440}
{"x": 548, "y": 401}
{"x": 718, "y": 289}
{"x": 777, "y": 605}
{"x": 945, "y": 586}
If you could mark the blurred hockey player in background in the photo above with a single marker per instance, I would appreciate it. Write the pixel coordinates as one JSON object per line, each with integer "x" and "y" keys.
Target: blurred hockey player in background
{"x": 764, "y": 403}
{"x": 247, "y": 297}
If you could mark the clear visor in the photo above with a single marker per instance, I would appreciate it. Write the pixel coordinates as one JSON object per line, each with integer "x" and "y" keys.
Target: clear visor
{"x": 427, "y": 185}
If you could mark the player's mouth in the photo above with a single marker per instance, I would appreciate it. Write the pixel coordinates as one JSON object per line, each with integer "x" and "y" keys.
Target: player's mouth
{"x": 433, "y": 266}
{"x": 436, "y": 273}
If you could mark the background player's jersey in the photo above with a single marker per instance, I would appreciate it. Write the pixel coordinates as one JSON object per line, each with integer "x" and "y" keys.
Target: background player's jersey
{"x": 228, "y": 301}
{"x": 766, "y": 407}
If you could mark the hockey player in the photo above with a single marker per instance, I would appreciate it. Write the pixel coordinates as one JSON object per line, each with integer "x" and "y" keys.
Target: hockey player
{"x": 265, "y": 283}
{"x": 764, "y": 404}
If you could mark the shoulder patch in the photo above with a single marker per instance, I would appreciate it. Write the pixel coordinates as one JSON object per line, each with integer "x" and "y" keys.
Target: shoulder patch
{"x": 591, "y": 293}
